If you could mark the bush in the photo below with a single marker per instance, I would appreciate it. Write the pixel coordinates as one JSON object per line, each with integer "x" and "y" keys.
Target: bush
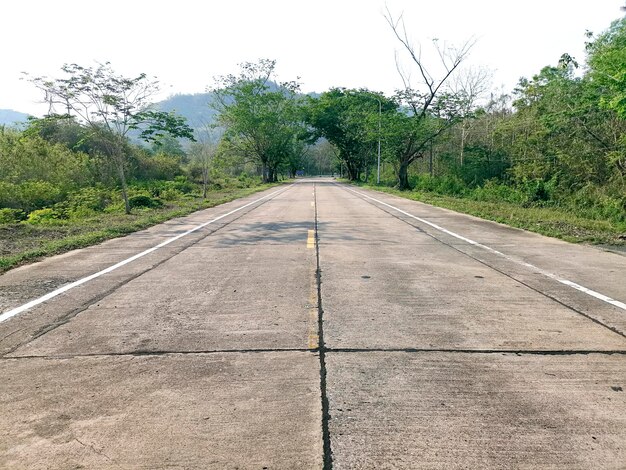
{"x": 494, "y": 191}
{"x": 29, "y": 195}
{"x": 157, "y": 167}
{"x": 444, "y": 185}
{"x": 11, "y": 216}
{"x": 170, "y": 194}
{"x": 95, "y": 199}
{"x": 598, "y": 203}
{"x": 182, "y": 184}
{"x": 142, "y": 200}
{"x": 44, "y": 217}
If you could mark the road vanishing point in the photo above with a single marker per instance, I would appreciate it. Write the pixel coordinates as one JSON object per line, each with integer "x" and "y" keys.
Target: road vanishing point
{"x": 316, "y": 325}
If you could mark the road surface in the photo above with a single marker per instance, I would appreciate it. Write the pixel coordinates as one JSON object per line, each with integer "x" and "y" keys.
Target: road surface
{"x": 316, "y": 325}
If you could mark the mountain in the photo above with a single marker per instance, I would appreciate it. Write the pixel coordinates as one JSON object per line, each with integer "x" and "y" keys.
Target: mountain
{"x": 9, "y": 117}
{"x": 196, "y": 108}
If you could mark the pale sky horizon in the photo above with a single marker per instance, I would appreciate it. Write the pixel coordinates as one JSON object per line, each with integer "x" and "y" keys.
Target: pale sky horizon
{"x": 326, "y": 43}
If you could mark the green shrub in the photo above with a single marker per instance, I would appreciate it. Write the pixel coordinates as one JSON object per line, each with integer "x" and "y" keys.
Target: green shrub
{"x": 11, "y": 216}
{"x": 446, "y": 185}
{"x": 30, "y": 195}
{"x": 44, "y": 217}
{"x": 494, "y": 191}
{"x": 170, "y": 194}
{"x": 182, "y": 184}
{"x": 142, "y": 200}
{"x": 95, "y": 199}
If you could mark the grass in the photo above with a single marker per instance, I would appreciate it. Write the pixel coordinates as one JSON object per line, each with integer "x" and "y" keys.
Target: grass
{"x": 550, "y": 221}
{"x": 22, "y": 243}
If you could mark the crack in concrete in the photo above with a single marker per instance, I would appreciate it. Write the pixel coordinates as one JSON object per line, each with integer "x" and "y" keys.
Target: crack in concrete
{"x": 160, "y": 353}
{"x": 519, "y": 352}
{"x": 93, "y": 449}
{"x": 328, "y": 453}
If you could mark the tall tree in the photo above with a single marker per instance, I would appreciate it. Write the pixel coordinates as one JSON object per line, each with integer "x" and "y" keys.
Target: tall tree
{"x": 348, "y": 119}
{"x": 110, "y": 106}
{"x": 434, "y": 105}
{"x": 607, "y": 66}
{"x": 261, "y": 117}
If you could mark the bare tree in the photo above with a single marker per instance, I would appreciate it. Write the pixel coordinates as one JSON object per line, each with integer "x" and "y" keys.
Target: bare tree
{"x": 203, "y": 153}
{"x": 471, "y": 83}
{"x": 434, "y": 104}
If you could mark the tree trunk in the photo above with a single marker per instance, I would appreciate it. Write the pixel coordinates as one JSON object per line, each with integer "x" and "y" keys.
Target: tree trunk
{"x": 430, "y": 160}
{"x": 403, "y": 177}
{"x": 266, "y": 173}
{"x": 205, "y": 183}
{"x": 353, "y": 174}
{"x": 120, "y": 169}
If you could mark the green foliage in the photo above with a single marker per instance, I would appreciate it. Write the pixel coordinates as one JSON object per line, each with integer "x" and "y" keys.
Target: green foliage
{"x": 349, "y": 120}
{"x": 142, "y": 201}
{"x": 449, "y": 185}
{"x": 607, "y": 61}
{"x": 29, "y": 195}
{"x": 111, "y": 106}
{"x": 44, "y": 217}
{"x": 25, "y": 157}
{"x": 157, "y": 167}
{"x": 155, "y": 126}
{"x": 262, "y": 119}
{"x": 86, "y": 202}
{"x": 11, "y": 216}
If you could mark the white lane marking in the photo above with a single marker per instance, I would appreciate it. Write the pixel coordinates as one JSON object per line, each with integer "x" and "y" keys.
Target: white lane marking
{"x": 597, "y": 295}
{"x": 11, "y": 313}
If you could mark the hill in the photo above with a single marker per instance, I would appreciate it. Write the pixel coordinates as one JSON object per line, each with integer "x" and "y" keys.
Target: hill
{"x": 9, "y": 117}
{"x": 194, "y": 107}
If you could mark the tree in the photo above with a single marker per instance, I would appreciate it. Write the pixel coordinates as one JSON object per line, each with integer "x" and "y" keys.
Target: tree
{"x": 348, "y": 119}
{"x": 433, "y": 105}
{"x": 471, "y": 84}
{"x": 262, "y": 118}
{"x": 203, "y": 154}
{"x": 110, "y": 106}
{"x": 607, "y": 66}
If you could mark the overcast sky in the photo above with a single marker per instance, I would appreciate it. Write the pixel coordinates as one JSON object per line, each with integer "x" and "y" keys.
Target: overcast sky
{"x": 326, "y": 43}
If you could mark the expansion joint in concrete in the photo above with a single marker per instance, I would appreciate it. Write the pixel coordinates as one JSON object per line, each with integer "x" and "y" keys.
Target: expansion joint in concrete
{"x": 328, "y": 455}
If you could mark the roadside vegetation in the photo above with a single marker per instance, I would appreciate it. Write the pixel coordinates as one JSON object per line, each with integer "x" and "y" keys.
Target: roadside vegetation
{"x": 572, "y": 225}
{"x": 550, "y": 156}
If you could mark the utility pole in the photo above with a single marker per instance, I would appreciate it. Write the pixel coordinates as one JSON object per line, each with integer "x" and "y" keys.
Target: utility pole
{"x": 380, "y": 108}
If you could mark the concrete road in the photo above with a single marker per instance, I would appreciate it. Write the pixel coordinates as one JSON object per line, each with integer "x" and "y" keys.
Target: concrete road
{"x": 316, "y": 326}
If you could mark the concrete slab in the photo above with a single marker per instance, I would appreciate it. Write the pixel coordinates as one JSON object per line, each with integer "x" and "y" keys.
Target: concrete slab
{"x": 467, "y": 411}
{"x": 245, "y": 287}
{"x": 593, "y": 267}
{"x": 216, "y": 411}
{"x": 24, "y": 283}
{"x": 411, "y": 294}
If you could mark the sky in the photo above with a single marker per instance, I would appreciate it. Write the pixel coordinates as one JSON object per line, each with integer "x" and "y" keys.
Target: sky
{"x": 324, "y": 43}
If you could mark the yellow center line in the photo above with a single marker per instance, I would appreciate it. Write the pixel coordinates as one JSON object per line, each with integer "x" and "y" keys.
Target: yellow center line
{"x": 310, "y": 241}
